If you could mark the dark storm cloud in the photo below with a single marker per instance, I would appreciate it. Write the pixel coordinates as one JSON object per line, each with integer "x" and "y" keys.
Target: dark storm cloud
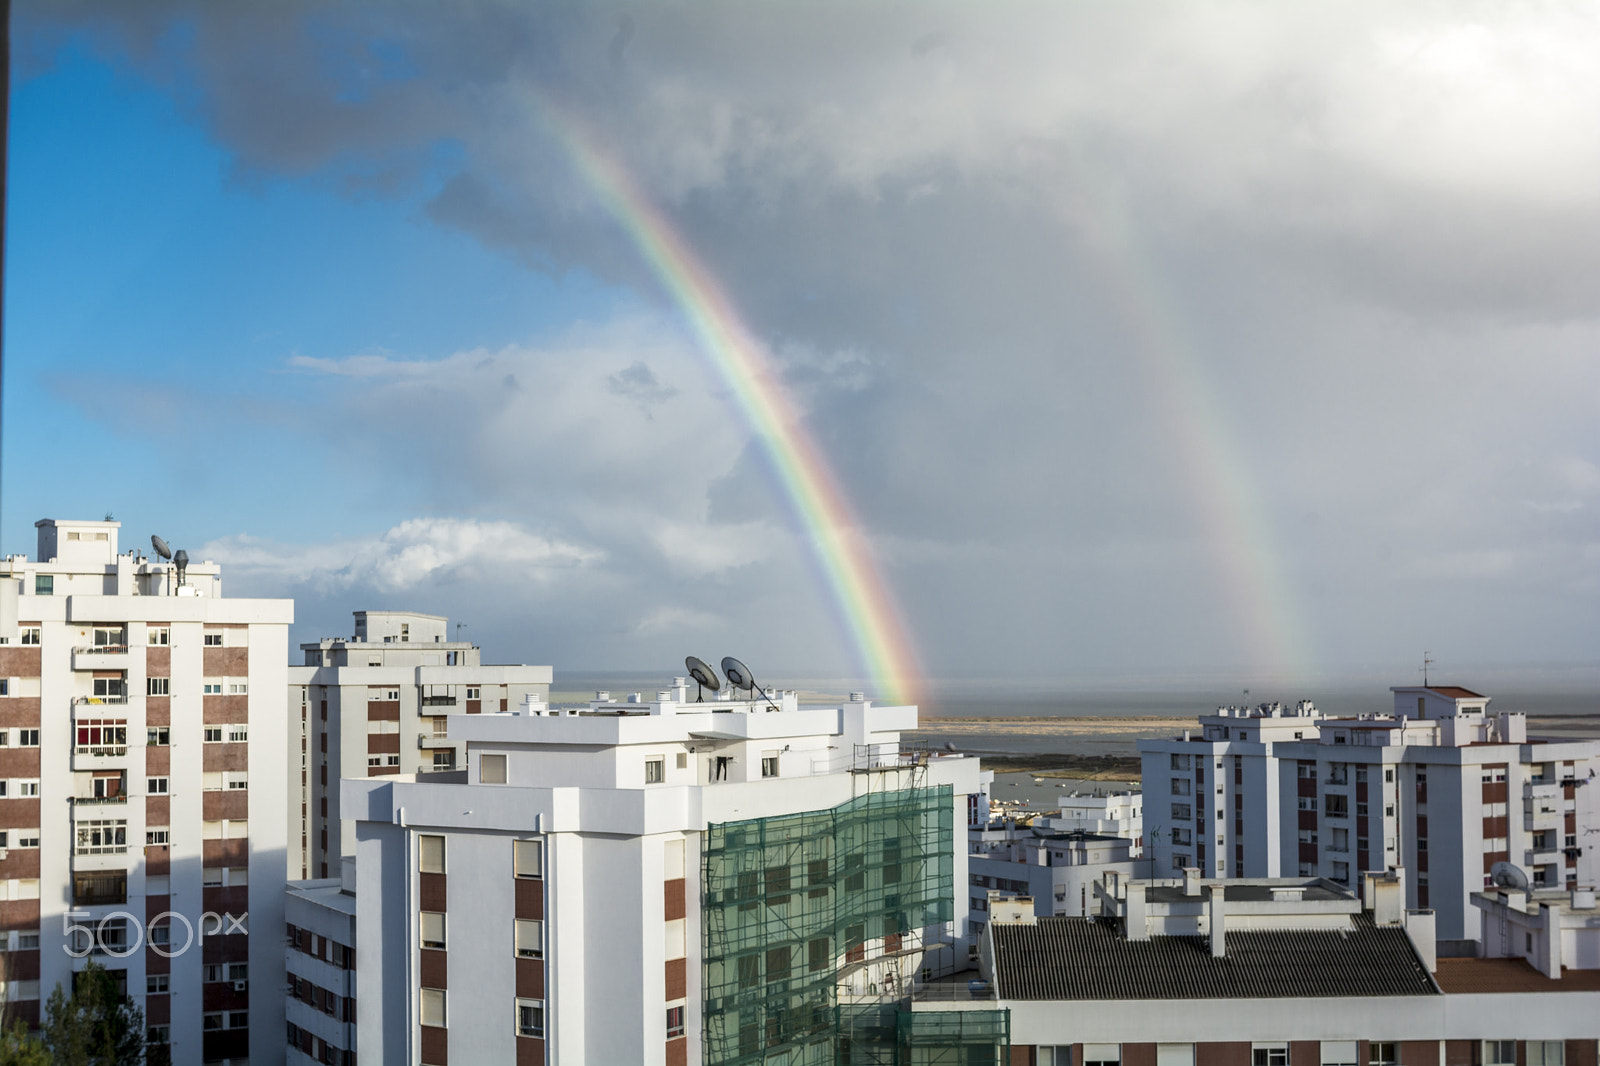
{"x": 1370, "y": 234}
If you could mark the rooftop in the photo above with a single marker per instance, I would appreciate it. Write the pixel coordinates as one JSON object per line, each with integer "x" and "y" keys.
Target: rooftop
{"x": 1462, "y": 976}
{"x": 1085, "y": 959}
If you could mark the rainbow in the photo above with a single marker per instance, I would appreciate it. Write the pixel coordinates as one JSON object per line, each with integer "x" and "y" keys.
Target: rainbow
{"x": 859, "y": 595}
{"x": 1237, "y": 524}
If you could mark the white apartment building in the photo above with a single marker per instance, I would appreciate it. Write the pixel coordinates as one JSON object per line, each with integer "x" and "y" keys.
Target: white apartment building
{"x": 1055, "y": 859}
{"x": 143, "y": 790}
{"x": 321, "y": 1006}
{"x": 1107, "y": 812}
{"x": 1440, "y": 787}
{"x": 376, "y": 704}
{"x": 668, "y": 882}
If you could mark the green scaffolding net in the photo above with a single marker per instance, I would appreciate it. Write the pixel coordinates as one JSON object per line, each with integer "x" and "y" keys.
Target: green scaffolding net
{"x": 793, "y": 903}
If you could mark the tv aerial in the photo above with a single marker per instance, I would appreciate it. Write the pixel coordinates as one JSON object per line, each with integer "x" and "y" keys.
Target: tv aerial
{"x": 704, "y": 677}
{"x": 740, "y": 677}
{"x": 160, "y": 546}
{"x": 1508, "y": 875}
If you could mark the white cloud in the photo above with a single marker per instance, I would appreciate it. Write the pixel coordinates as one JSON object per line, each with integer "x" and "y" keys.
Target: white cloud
{"x": 417, "y": 552}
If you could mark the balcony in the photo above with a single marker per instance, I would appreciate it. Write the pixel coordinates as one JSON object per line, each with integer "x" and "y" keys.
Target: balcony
{"x": 1536, "y": 790}
{"x": 100, "y": 657}
{"x": 438, "y": 701}
{"x": 435, "y": 739}
{"x": 1541, "y": 857}
{"x": 99, "y": 801}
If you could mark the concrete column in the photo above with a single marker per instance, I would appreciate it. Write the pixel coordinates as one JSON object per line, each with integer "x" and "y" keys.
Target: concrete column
{"x": 1137, "y": 926}
{"x": 1215, "y": 908}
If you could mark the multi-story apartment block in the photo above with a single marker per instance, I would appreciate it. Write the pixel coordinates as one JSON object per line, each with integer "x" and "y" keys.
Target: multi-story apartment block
{"x": 1440, "y": 787}
{"x": 376, "y": 704}
{"x": 143, "y": 789}
{"x": 671, "y": 881}
{"x": 321, "y": 917}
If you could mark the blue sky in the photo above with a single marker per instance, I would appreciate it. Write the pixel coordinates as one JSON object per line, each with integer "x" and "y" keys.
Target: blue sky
{"x": 310, "y": 290}
{"x": 138, "y": 255}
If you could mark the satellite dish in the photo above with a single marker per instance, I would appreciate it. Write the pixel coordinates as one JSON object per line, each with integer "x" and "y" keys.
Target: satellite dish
{"x": 160, "y": 546}
{"x": 738, "y": 674}
{"x": 1508, "y": 875}
{"x": 704, "y": 676}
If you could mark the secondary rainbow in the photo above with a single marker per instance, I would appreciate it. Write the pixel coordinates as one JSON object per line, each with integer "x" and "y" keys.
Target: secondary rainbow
{"x": 858, "y": 593}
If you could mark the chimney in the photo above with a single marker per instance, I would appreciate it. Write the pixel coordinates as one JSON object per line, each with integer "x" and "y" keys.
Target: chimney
{"x": 1191, "y": 881}
{"x": 1136, "y": 927}
{"x": 1214, "y": 907}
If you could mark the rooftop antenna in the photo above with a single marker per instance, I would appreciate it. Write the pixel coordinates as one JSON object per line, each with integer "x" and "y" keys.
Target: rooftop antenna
{"x": 459, "y": 627}
{"x": 1426, "y": 662}
{"x": 739, "y": 676}
{"x": 1508, "y": 875}
{"x": 704, "y": 677}
{"x": 164, "y": 552}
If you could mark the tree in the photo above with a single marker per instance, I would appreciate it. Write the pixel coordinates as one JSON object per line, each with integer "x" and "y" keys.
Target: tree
{"x": 98, "y": 1025}
{"x": 17, "y": 1048}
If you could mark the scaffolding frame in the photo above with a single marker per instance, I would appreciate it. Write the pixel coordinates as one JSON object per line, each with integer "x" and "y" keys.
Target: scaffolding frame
{"x": 792, "y": 902}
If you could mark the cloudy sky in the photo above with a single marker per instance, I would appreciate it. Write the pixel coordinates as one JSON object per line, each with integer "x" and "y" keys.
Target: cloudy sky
{"x": 1145, "y": 341}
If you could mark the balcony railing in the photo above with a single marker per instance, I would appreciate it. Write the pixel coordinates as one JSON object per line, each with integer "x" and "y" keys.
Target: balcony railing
{"x": 102, "y": 649}
{"x": 92, "y": 801}
{"x": 438, "y": 701}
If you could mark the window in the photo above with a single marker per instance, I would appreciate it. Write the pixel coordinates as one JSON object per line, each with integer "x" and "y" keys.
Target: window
{"x": 1182, "y": 812}
{"x": 238, "y": 734}
{"x": 157, "y": 736}
{"x": 44, "y": 584}
{"x": 211, "y": 688}
{"x": 472, "y": 693}
{"x": 527, "y": 858}
{"x": 1180, "y": 786}
{"x": 31, "y": 634}
{"x": 27, "y": 838}
{"x": 238, "y": 688}
{"x": 430, "y": 854}
{"x": 213, "y": 640}
{"x": 655, "y": 770}
{"x": 27, "y": 738}
{"x": 109, "y": 688}
{"x": 433, "y": 1006}
{"x": 1174, "y": 1055}
{"x": 238, "y": 1019}
{"x": 214, "y": 1020}
{"x": 1499, "y": 1053}
{"x": 157, "y": 636}
{"x": 155, "y": 836}
{"x": 433, "y": 929}
{"x": 28, "y": 786}
{"x": 156, "y": 786}
{"x": 769, "y": 764}
{"x": 530, "y": 938}
{"x": 492, "y": 769}
{"x": 1180, "y": 762}
{"x": 675, "y": 1023}
{"x": 155, "y": 983}
{"x": 1546, "y": 1053}
{"x": 1388, "y": 774}
{"x": 159, "y": 1034}
{"x": 1269, "y": 1055}
{"x": 391, "y": 760}
{"x": 213, "y": 734}
{"x": 530, "y": 1017}
{"x": 1307, "y": 803}
{"x": 818, "y": 957}
{"x": 158, "y": 686}
{"x": 211, "y": 877}
{"x": 1060, "y": 1055}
